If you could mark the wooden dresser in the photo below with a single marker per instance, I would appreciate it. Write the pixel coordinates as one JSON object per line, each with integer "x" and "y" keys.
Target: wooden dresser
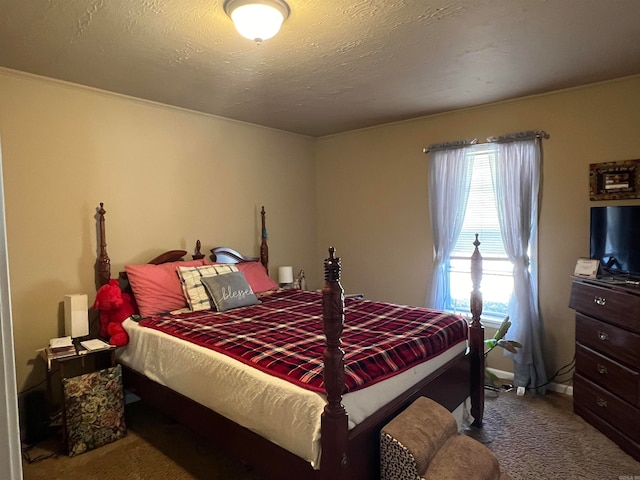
{"x": 606, "y": 388}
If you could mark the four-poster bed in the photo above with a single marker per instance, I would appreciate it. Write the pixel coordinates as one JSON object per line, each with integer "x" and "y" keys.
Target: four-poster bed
{"x": 347, "y": 433}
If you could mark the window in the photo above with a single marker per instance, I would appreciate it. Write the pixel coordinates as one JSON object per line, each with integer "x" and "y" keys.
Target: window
{"x": 462, "y": 179}
{"x": 481, "y": 217}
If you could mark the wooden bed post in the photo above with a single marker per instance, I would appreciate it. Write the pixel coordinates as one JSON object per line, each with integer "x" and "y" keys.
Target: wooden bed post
{"x": 264, "y": 248}
{"x": 197, "y": 254}
{"x": 103, "y": 264}
{"x": 476, "y": 339}
{"x": 334, "y": 421}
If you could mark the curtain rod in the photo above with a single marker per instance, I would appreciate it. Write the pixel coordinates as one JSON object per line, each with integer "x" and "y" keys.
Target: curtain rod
{"x": 449, "y": 145}
{"x": 520, "y": 136}
{"x": 512, "y": 137}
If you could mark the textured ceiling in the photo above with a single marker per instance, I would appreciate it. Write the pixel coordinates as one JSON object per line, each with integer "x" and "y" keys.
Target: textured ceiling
{"x": 336, "y": 65}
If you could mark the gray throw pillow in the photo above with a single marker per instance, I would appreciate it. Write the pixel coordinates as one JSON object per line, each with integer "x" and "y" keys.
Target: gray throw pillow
{"x": 230, "y": 290}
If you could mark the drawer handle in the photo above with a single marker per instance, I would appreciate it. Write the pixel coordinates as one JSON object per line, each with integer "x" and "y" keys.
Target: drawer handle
{"x": 603, "y": 336}
{"x": 602, "y": 369}
{"x": 601, "y": 402}
{"x": 599, "y": 301}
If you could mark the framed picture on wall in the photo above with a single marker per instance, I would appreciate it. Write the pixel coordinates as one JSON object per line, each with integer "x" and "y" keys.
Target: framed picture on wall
{"x": 614, "y": 180}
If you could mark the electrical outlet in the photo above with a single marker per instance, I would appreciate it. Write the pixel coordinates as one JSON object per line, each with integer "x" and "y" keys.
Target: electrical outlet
{"x": 520, "y": 391}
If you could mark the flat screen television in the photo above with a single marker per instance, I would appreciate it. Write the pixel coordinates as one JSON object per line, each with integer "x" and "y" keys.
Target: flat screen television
{"x": 615, "y": 239}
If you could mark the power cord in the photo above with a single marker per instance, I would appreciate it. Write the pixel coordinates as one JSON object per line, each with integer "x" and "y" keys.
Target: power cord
{"x": 569, "y": 367}
{"x": 27, "y": 457}
{"x": 559, "y": 373}
{"x": 33, "y": 387}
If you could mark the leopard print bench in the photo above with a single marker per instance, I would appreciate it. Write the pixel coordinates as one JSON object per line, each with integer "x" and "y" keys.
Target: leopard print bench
{"x": 423, "y": 443}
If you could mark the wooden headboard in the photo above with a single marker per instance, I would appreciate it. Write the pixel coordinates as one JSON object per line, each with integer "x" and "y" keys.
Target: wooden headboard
{"x": 219, "y": 254}
{"x": 229, "y": 255}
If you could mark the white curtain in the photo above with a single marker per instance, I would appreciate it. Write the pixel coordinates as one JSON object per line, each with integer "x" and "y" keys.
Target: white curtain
{"x": 517, "y": 175}
{"x": 449, "y": 182}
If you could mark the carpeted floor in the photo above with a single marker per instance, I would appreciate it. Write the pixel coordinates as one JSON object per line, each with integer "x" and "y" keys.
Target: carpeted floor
{"x": 155, "y": 447}
{"x": 539, "y": 437}
{"x": 534, "y": 437}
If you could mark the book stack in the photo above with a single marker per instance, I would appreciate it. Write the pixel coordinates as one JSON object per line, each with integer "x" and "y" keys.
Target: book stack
{"x": 94, "y": 345}
{"x": 60, "y": 348}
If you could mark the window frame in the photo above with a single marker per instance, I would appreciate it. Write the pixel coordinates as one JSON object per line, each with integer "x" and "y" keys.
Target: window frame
{"x": 490, "y": 318}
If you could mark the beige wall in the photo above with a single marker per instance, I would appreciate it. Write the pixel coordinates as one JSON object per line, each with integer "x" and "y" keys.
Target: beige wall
{"x": 372, "y": 194}
{"x": 167, "y": 177}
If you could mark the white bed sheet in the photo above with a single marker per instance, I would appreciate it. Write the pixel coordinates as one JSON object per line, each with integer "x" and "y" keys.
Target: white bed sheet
{"x": 282, "y": 412}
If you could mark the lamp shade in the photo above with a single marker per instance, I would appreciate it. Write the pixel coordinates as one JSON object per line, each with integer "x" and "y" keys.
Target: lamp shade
{"x": 76, "y": 315}
{"x": 285, "y": 274}
{"x": 257, "y": 20}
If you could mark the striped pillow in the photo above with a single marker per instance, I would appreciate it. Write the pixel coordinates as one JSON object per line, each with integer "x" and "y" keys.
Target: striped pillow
{"x": 192, "y": 287}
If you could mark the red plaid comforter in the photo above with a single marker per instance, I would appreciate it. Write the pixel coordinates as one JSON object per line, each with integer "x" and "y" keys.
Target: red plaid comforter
{"x": 284, "y": 337}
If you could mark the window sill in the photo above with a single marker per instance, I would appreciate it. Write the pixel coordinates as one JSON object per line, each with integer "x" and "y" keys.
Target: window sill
{"x": 490, "y": 321}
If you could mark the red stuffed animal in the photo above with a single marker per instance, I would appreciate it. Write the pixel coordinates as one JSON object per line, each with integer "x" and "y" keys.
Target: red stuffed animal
{"x": 115, "y": 306}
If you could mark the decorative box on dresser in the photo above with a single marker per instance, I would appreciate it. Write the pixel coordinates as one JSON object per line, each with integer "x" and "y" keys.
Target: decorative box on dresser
{"x": 606, "y": 387}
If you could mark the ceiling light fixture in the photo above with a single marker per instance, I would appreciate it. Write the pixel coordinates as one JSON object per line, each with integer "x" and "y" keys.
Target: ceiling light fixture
{"x": 257, "y": 20}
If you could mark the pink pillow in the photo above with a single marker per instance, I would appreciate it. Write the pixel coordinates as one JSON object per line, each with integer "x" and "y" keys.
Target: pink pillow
{"x": 257, "y": 277}
{"x": 156, "y": 288}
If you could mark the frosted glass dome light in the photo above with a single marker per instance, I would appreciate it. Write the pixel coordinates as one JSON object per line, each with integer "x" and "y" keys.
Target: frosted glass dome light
{"x": 257, "y": 20}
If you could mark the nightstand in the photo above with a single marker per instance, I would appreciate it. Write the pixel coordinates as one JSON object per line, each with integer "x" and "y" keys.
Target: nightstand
{"x": 70, "y": 367}
{"x": 87, "y": 361}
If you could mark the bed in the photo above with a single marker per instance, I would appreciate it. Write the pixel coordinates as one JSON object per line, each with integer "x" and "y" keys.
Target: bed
{"x": 328, "y": 429}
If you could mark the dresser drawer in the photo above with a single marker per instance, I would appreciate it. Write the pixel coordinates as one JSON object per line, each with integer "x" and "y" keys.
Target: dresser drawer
{"x": 612, "y": 341}
{"x": 607, "y": 373}
{"x": 609, "y": 408}
{"x": 613, "y": 306}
